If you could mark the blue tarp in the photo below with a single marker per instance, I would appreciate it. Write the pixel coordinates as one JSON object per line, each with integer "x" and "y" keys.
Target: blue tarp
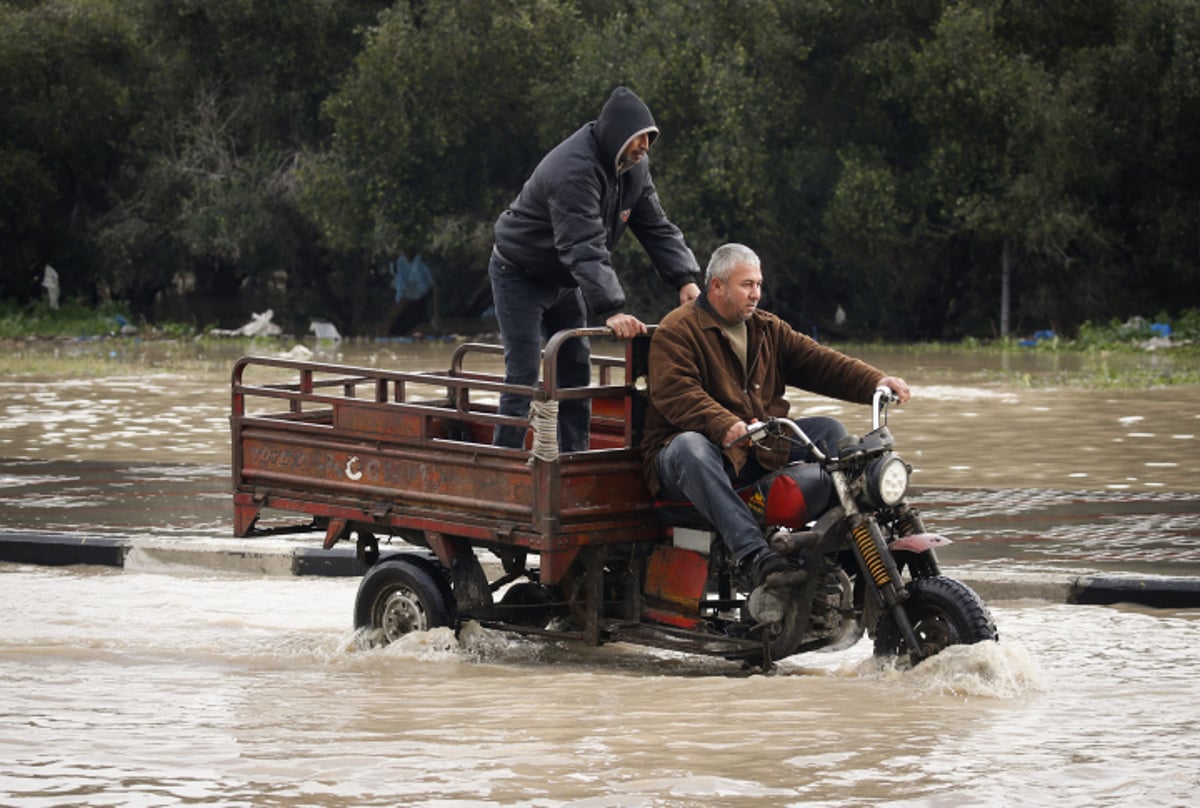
{"x": 412, "y": 280}
{"x": 1038, "y": 336}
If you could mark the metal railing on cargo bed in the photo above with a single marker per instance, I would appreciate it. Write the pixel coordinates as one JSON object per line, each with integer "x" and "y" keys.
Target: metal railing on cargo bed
{"x": 411, "y": 451}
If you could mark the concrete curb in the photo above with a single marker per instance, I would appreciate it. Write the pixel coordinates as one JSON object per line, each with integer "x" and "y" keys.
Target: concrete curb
{"x": 267, "y": 557}
{"x": 1157, "y": 591}
{"x": 57, "y": 550}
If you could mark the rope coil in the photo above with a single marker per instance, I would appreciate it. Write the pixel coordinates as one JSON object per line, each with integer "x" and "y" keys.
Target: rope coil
{"x": 543, "y": 417}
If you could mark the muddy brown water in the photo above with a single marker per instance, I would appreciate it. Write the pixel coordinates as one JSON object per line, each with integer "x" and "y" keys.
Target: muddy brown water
{"x": 158, "y": 685}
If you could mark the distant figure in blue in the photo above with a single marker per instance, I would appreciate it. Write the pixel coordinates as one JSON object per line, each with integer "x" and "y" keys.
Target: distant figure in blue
{"x": 552, "y": 261}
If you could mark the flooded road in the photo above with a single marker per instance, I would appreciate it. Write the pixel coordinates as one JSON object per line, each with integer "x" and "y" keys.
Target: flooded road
{"x": 150, "y": 688}
{"x": 160, "y": 685}
{"x": 1061, "y": 477}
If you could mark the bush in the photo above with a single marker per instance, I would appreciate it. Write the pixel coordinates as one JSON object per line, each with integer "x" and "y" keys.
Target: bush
{"x": 71, "y": 320}
{"x": 1137, "y": 330}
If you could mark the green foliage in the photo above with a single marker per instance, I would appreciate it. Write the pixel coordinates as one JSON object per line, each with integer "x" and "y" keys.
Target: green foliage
{"x": 203, "y": 159}
{"x": 69, "y": 72}
{"x": 435, "y": 119}
{"x": 1136, "y": 332}
{"x": 73, "y": 319}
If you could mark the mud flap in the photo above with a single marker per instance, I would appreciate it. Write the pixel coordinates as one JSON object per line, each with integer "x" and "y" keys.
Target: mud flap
{"x": 675, "y": 583}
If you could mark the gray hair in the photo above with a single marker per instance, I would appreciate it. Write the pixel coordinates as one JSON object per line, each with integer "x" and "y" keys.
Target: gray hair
{"x": 725, "y": 258}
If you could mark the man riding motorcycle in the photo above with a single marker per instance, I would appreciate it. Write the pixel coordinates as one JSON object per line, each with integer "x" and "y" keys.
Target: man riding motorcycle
{"x": 718, "y": 364}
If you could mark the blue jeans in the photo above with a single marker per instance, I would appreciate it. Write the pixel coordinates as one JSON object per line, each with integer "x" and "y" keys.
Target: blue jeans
{"x": 530, "y": 311}
{"x": 692, "y": 468}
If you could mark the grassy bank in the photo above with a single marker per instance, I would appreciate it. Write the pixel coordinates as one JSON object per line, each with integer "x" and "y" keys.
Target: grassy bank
{"x": 79, "y": 342}
{"x": 73, "y": 321}
{"x": 75, "y": 341}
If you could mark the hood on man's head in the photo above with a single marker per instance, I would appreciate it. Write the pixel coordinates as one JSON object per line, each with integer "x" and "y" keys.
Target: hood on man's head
{"x": 623, "y": 116}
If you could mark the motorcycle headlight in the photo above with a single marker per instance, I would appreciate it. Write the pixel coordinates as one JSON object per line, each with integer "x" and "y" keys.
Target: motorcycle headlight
{"x": 887, "y": 481}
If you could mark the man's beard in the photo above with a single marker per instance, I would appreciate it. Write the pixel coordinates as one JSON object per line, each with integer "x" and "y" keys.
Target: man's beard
{"x": 626, "y": 162}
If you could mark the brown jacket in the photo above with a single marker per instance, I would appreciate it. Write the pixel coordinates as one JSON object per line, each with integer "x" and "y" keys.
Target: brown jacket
{"x": 697, "y": 384}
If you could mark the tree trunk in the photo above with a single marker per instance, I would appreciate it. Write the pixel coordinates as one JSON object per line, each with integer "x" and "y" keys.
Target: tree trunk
{"x": 1005, "y": 289}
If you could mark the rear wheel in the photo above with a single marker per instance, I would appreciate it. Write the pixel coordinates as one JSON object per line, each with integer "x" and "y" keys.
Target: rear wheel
{"x": 397, "y": 597}
{"x": 943, "y": 612}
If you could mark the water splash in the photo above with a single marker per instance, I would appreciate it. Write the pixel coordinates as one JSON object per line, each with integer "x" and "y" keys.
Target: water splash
{"x": 1000, "y": 670}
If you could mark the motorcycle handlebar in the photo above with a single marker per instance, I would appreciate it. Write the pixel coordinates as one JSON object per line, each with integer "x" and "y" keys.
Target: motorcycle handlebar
{"x": 883, "y": 396}
{"x": 754, "y": 432}
{"x": 757, "y": 430}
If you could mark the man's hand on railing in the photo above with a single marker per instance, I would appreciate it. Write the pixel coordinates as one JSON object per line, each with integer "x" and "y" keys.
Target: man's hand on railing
{"x": 625, "y": 326}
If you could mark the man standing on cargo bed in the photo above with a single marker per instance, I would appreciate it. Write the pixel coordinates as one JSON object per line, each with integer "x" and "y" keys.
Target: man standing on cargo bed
{"x": 716, "y": 366}
{"x": 551, "y": 265}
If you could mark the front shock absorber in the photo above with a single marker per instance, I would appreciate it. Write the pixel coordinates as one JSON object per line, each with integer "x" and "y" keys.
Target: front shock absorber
{"x": 872, "y": 552}
{"x": 872, "y": 559}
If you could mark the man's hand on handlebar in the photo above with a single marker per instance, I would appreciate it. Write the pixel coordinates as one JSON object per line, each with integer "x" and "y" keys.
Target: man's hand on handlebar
{"x": 740, "y": 431}
{"x": 625, "y": 326}
{"x": 897, "y": 386}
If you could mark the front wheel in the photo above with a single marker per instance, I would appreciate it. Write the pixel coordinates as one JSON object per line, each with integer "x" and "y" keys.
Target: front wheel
{"x": 943, "y": 612}
{"x": 397, "y": 597}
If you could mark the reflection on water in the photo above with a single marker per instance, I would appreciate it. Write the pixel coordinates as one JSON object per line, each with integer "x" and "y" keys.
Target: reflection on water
{"x": 144, "y": 688}
{"x": 153, "y": 418}
{"x": 116, "y": 499}
{"x": 963, "y": 427}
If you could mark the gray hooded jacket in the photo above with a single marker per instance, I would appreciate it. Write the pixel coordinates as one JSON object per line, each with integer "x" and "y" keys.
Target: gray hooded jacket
{"x": 574, "y": 208}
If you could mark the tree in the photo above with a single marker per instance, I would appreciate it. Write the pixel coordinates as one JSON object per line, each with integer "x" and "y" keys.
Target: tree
{"x": 434, "y": 129}
{"x": 1149, "y": 96}
{"x": 726, "y": 82}
{"x": 880, "y": 155}
{"x": 69, "y": 77}
{"x": 212, "y": 207}
{"x": 1001, "y": 145}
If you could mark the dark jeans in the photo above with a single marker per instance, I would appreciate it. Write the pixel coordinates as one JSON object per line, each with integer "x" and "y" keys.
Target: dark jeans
{"x": 530, "y": 311}
{"x": 692, "y": 468}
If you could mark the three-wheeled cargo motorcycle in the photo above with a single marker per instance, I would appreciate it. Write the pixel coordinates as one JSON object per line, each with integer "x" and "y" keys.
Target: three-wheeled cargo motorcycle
{"x": 572, "y": 545}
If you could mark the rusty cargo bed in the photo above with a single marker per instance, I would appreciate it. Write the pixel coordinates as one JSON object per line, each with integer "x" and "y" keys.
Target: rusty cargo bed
{"x": 383, "y": 452}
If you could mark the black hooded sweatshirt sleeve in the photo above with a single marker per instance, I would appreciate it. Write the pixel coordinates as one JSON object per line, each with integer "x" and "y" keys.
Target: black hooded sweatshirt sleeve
{"x": 576, "y": 205}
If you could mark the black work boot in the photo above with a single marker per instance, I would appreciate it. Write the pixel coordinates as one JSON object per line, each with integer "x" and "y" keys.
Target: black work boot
{"x": 773, "y": 584}
{"x": 768, "y": 567}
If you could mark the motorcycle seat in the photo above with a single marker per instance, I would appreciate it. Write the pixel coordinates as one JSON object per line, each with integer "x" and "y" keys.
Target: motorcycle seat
{"x": 681, "y": 513}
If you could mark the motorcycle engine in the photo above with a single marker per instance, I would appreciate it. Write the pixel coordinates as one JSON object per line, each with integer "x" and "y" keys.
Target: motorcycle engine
{"x": 832, "y": 613}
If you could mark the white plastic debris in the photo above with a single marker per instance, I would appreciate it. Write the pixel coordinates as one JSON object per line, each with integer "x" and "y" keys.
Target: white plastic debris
{"x": 260, "y": 325}
{"x": 50, "y": 282}
{"x": 297, "y": 352}
{"x": 324, "y": 330}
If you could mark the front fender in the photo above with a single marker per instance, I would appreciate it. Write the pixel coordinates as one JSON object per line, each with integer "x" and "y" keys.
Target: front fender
{"x": 918, "y": 543}
{"x": 917, "y": 553}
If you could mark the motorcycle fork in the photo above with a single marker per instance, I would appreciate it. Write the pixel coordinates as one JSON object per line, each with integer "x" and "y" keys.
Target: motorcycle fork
{"x": 876, "y": 560}
{"x": 908, "y": 521}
